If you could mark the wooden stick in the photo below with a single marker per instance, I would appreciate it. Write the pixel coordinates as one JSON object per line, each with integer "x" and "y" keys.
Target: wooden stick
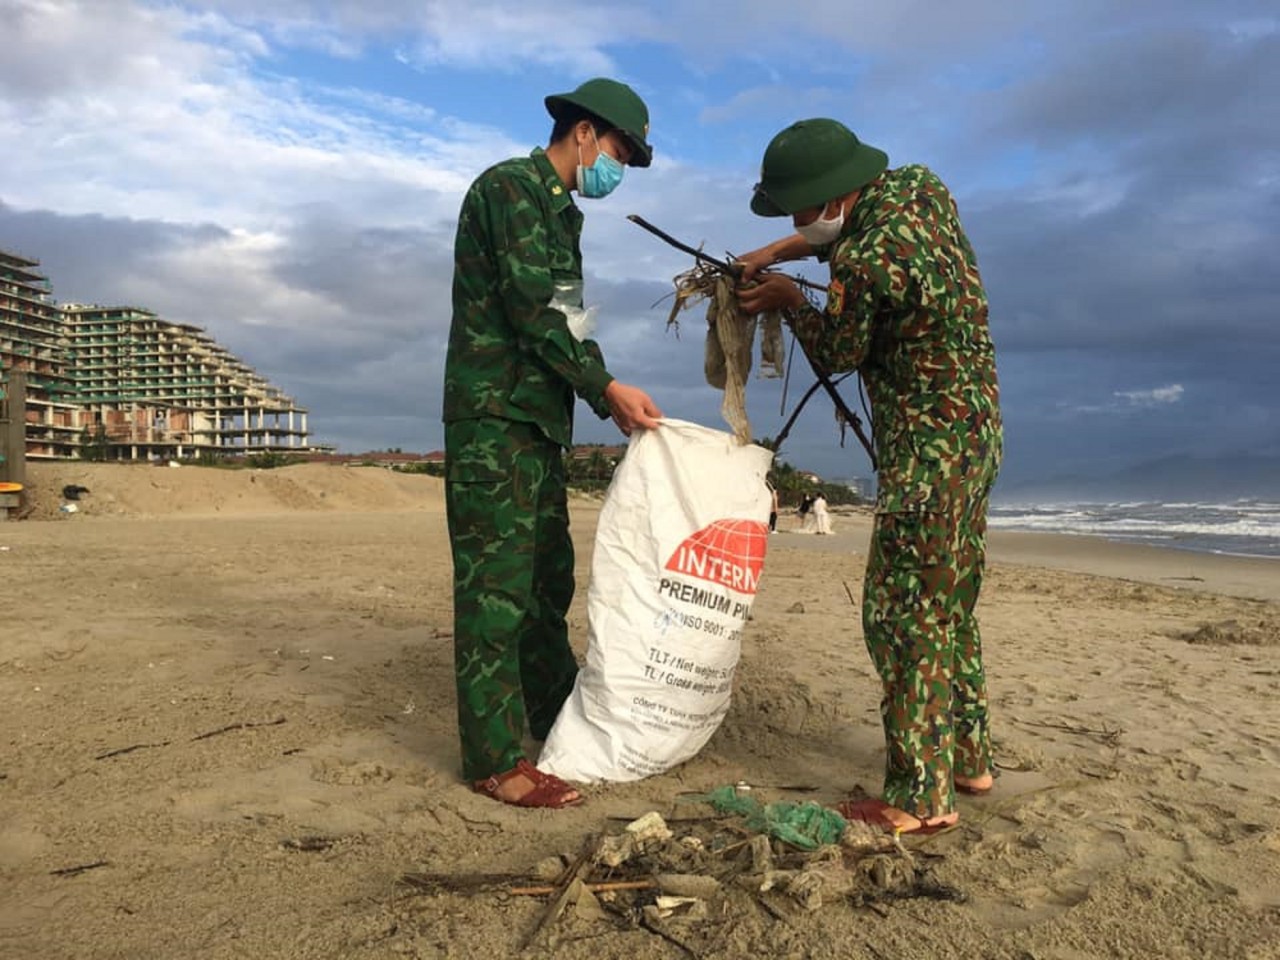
{"x": 72, "y": 871}
{"x": 605, "y": 887}
{"x": 659, "y": 932}
{"x": 580, "y": 867}
{"x": 238, "y": 726}
{"x": 136, "y": 746}
{"x": 734, "y": 269}
{"x": 469, "y": 883}
{"x": 1107, "y": 736}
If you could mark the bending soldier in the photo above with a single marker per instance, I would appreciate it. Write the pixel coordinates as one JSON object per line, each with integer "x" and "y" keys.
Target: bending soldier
{"x": 907, "y": 309}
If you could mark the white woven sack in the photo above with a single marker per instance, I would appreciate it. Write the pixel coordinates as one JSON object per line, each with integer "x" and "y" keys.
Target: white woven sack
{"x": 678, "y": 556}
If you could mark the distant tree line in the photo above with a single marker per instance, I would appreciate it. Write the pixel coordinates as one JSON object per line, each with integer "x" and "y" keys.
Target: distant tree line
{"x": 792, "y": 484}
{"x": 589, "y": 469}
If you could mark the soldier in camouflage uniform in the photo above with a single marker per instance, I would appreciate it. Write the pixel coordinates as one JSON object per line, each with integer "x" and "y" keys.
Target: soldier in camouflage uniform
{"x": 906, "y": 308}
{"x": 517, "y": 357}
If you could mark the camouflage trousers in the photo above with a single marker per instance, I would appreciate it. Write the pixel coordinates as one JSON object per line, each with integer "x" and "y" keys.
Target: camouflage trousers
{"x": 923, "y": 577}
{"x": 512, "y": 583}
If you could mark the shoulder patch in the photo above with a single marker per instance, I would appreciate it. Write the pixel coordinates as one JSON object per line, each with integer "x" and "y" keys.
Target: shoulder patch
{"x": 835, "y": 297}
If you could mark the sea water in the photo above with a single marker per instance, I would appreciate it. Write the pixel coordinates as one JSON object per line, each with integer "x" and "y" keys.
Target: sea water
{"x": 1248, "y": 528}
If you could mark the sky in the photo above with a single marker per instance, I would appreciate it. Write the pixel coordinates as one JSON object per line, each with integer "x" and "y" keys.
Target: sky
{"x": 287, "y": 174}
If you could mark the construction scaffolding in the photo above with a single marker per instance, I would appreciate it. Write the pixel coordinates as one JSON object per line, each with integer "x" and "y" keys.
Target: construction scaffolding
{"x": 121, "y": 383}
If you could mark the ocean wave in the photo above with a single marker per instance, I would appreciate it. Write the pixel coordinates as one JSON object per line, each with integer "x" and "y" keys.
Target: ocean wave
{"x": 1238, "y": 528}
{"x": 1249, "y": 528}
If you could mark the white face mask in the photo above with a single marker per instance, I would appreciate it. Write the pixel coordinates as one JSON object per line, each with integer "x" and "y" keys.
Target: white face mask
{"x": 823, "y": 230}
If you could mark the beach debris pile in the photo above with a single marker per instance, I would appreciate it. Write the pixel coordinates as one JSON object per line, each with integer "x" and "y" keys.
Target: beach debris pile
{"x": 731, "y": 337}
{"x": 1256, "y": 632}
{"x": 688, "y": 878}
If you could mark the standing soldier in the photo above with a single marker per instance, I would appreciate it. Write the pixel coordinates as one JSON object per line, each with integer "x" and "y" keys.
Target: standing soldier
{"x": 517, "y": 356}
{"x": 906, "y": 308}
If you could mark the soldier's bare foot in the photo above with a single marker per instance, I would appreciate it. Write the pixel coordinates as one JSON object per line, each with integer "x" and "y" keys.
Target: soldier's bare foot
{"x": 524, "y": 785}
{"x": 877, "y": 813}
{"x": 975, "y": 785}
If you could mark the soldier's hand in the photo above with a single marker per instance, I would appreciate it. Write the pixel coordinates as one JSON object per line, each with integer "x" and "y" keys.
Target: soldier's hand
{"x": 753, "y": 262}
{"x": 631, "y": 407}
{"x": 771, "y": 291}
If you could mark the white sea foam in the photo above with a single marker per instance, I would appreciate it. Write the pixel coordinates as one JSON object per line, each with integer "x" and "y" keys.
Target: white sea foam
{"x": 1250, "y": 528}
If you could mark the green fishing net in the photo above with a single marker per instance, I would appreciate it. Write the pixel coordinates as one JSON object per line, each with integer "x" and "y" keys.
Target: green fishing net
{"x": 805, "y": 825}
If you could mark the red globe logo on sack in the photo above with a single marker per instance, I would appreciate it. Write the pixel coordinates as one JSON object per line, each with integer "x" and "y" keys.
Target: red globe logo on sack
{"x": 726, "y": 552}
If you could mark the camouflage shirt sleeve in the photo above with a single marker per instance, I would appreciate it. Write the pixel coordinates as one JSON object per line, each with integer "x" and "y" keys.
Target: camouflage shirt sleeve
{"x": 527, "y": 283}
{"x": 906, "y": 308}
{"x": 517, "y": 254}
{"x": 838, "y": 337}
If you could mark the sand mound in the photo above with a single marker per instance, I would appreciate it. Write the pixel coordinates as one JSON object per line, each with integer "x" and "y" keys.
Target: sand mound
{"x": 1251, "y": 632}
{"x": 144, "y": 490}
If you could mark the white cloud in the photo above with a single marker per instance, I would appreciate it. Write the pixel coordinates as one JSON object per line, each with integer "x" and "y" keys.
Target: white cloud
{"x": 1159, "y": 396}
{"x": 496, "y": 36}
{"x": 191, "y": 283}
{"x": 160, "y": 116}
{"x": 1125, "y": 402}
{"x": 54, "y": 45}
{"x": 508, "y": 36}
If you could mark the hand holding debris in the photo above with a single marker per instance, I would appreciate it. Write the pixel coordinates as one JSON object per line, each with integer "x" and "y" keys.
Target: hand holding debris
{"x": 769, "y": 292}
{"x": 751, "y": 264}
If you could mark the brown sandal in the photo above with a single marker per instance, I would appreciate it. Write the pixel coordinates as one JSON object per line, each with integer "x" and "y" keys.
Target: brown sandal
{"x": 549, "y": 791}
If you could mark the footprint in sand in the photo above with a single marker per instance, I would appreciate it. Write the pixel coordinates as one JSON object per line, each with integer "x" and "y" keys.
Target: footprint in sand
{"x": 350, "y": 774}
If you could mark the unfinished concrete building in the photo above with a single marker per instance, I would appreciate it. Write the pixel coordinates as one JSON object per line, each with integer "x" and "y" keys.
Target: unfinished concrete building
{"x": 32, "y": 339}
{"x": 121, "y": 383}
{"x": 162, "y": 389}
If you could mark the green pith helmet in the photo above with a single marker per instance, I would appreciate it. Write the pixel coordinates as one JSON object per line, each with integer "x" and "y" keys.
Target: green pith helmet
{"x": 616, "y": 104}
{"x": 811, "y": 162}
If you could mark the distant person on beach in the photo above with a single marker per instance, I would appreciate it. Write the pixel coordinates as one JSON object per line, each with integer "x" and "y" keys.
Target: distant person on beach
{"x": 805, "y": 512}
{"x": 773, "y": 510}
{"x": 517, "y": 356}
{"x": 907, "y": 309}
{"x": 821, "y": 518}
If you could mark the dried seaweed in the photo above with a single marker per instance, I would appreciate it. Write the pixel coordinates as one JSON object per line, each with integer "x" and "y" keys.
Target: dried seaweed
{"x": 731, "y": 338}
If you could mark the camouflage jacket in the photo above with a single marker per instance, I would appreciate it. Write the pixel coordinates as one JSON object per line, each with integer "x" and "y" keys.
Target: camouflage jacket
{"x": 511, "y": 354}
{"x": 907, "y": 309}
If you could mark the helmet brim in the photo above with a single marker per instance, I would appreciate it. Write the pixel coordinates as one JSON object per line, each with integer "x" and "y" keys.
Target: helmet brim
{"x": 863, "y": 165}
{"x": 641, "y": 152}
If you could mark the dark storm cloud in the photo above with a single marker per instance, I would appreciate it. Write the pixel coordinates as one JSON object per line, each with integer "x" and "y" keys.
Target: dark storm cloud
{"x": 1137, "y": 251}
{"x": 1159, "y": 228}
{"x": 364, "y": 346}
{"x": 84, "y": 255}
{"x": 391, "y": 281}
{"x": 1179, "y": 82}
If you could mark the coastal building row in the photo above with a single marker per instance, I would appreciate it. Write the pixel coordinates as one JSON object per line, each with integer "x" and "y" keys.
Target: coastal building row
{"x": 121, "y": 383}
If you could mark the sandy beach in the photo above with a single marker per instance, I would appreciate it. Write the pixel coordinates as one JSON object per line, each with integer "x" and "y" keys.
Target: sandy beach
{"x": 227, "y": 730}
